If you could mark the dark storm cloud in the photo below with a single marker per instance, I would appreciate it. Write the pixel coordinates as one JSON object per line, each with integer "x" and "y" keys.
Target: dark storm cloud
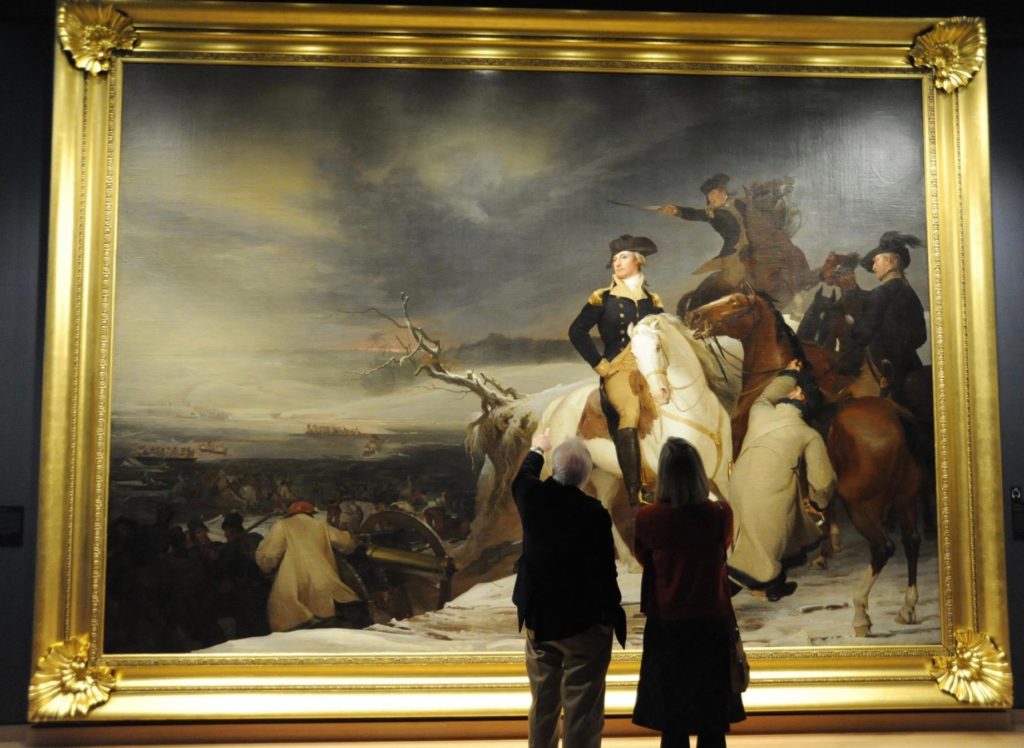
{"x": 482, "y": 195}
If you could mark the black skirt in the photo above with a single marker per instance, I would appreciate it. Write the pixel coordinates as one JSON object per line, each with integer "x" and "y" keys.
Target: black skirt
{"x": 684, "y": 677}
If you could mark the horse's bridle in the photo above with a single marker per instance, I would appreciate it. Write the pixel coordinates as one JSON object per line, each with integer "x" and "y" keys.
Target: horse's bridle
{"x": 750, "y": 309}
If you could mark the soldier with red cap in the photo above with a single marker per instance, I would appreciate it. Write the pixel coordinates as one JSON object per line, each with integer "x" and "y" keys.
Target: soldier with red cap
{"x": 307, "y": 591}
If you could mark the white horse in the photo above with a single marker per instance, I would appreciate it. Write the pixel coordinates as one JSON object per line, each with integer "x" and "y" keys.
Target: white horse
{"x": 670, "y": 361}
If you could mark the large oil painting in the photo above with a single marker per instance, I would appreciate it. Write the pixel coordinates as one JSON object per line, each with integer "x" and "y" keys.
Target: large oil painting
{"x": 345, "y": 291}
{"x": 279, "y": 232}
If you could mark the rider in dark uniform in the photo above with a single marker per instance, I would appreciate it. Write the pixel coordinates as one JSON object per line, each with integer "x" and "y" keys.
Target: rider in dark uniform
{"x": 756, "y": 245}
{"x": 726, "y": 216}
{"x": 612, "y": 309}
{"x": 892, "y": 327}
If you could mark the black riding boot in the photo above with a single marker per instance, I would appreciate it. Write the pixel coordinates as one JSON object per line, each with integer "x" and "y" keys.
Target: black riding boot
{"x": 627, "y": 449}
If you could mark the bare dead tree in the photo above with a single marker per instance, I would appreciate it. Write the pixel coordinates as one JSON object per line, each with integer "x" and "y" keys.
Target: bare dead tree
{"x": 427, "y": 352}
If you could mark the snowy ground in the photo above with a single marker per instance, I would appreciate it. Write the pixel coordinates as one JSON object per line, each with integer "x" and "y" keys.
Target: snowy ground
{"x": 483, "y": 619}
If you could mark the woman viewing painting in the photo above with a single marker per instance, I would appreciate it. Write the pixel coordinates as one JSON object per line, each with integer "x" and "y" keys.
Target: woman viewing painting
{"x": 681, "y": 541}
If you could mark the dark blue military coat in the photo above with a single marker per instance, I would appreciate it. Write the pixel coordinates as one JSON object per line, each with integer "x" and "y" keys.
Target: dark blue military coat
{"x": 891, "y": 328}
{"x": 612, "y": 315}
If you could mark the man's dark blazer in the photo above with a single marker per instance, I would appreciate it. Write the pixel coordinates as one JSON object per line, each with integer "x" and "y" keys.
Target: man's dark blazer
{"x": 566, "y": 579}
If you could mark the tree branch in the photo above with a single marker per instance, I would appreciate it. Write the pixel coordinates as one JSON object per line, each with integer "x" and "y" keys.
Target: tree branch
{"x": 492, "y": 394}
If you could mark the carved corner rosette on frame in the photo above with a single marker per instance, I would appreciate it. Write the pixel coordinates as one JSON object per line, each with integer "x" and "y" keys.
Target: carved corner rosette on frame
{"x": 976, "y": 672}
{"x": 954, "y": 49}
{"x": 93, "y": 32}
{"x": 65, "y": 685}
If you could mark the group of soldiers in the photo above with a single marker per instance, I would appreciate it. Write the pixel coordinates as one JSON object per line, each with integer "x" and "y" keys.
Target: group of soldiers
{"x": 756, "y": 252}
{"x": 174, "y": 589}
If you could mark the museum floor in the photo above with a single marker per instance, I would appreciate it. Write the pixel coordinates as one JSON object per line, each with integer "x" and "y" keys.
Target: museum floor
{"x": 935, "y": 730}
{"x": 903, "y": 740}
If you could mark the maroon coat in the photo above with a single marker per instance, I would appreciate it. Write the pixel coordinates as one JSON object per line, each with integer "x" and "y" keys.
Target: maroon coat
{"x": 683, "y": 554}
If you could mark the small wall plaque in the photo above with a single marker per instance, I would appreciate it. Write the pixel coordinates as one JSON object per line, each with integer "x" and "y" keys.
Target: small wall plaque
{"x": 12, "y": 526}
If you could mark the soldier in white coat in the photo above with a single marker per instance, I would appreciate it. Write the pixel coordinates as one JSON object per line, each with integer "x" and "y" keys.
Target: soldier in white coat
{"x": 772, "y": 526}
{"x": 306, "y": 586}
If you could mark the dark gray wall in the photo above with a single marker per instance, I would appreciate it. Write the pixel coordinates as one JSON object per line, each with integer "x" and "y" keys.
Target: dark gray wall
{"x": 1006, "y": 66}
{"x": 26, "y": 65}
{"x": 25, "y": 84}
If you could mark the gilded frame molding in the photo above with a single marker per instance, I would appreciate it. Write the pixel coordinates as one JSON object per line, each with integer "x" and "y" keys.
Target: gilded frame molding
{"x": 75, "y": 680}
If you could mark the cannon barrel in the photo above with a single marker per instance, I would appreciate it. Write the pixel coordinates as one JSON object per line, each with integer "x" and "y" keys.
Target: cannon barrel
{"x": 382, "y": 554}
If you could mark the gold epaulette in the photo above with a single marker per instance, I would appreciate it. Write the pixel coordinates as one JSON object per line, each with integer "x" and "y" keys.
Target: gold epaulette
{"x": 597, "y": 298}
{"x": 656, "y": 299}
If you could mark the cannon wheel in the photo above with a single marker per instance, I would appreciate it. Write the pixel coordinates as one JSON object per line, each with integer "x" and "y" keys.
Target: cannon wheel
{"x": 398, "y": 592}
{"x": 351, "y": 577}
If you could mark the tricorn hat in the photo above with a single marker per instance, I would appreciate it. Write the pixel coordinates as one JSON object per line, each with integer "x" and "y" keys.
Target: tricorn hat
{"x": 639, "y": 244}
{"x": 711, "y": 183}
{"x": 894, "y": 242}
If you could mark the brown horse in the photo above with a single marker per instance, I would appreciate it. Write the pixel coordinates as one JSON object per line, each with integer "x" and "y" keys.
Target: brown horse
{"x": 748, "y": 317}
{"x": 870, "y": 441}
{"x": 829, "y": 322}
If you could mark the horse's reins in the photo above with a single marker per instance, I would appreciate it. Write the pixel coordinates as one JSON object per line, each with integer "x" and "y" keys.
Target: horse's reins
{"x": 774, "y": 372}
{"x": 675, "y": 388}
{"x": 714, "y": 436}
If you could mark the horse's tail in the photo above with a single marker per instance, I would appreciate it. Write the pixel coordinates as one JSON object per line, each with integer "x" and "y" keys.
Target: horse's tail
{"x": 919, "y": 441}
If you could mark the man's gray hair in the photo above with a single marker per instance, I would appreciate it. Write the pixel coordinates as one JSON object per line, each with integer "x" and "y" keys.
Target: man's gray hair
{"x": 571, "y": 463}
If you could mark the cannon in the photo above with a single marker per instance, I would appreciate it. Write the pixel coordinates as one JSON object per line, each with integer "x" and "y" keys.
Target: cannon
{"x": 402, "y": 570}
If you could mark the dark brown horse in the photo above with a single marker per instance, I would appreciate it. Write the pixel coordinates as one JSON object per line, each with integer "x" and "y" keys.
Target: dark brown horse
{"x": 771, "y": 261}
{"x": 870, "y": 440}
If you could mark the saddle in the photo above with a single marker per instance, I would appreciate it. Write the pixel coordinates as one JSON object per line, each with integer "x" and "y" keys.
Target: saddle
{"x": 594, "y": 424}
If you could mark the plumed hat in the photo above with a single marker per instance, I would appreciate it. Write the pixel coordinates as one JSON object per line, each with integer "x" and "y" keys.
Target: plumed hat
{"x": 711, "y": 183}
{"x": 639, "y": 244}
{"x": 895, "y": 242}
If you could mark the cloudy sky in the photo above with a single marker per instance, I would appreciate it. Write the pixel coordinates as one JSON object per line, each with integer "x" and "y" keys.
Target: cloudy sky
{"x": 258, "y": 204}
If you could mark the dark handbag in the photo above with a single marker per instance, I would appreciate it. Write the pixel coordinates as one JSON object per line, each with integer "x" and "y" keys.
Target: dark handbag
{"x": 739, "y": 668}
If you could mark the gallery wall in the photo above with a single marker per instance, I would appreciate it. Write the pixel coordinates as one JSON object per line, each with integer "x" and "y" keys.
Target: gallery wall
{"x": 26, "y": 59}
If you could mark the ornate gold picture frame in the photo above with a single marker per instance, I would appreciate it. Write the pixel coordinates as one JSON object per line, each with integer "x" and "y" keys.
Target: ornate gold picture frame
{"x": 99, "y": 157}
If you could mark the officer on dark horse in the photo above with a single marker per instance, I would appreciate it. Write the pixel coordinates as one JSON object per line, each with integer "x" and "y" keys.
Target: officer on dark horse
{"x": 756, "y": 247}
